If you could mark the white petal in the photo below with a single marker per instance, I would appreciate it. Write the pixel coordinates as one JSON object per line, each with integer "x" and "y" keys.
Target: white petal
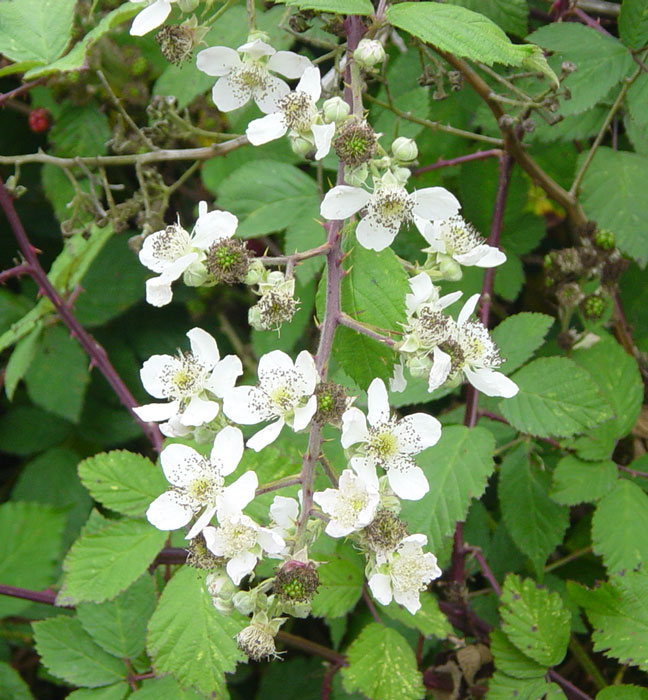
{"x": 468, "y": 309}
{"x": 409, "y": 600}
{"x": 378, "y": 402}
{"x": 482, "y": 256}
{"x": 304, "y": 414}
{"x": 270, "y": 541}
{"x": 366, "y": 471}
{"x": 491, "y": 383}
{"x": 449, "y": 299}
{"x": 266, "y": 436}
{"x": 290, "y": 64}
{"x": 417, "y": 432}
{"x": 269, "y": 96}
{"x": 440, "y": 369}
{"x": 343, "y": 201}
{"x": 218, "y": 60}
{"x": 158, "y": 291}
{"x": 152, "y": 412}
{"x": 375, "y": 235}
{"x": 181, "y": 464}
{"x": 323, "y": 135}
{"x": 273, "y": 362}
{"x": 398, "y": 382}
{"x": 431, "y": 231}
{"x": 149, "y": 254}
{"x": 150, "y": 18}
{"x": 240, "y": 566}
{"x": 256, "y": 49}
{"x": 237, "y": 495}
{"x": 213, "y": 226}
{"x": 229, "y": 95}
{"x": 152, "y": 372}
{"x": 327, "y": 499}
{"x": 224, "y": 375}
{"x": 354, "y": 427}
{"x": 335, "y": 529}
{"x": 246, "y": 405}
{"x": 417, "y": 539}
{"x": 310, "y": 83}
{"x": 201, "y": 523}
{"x": 284, "y": 511}
{"x": 199, "y": 412}
{"x": 203, "y": 347}
{"x": 305, "y": 365}
{"x": 166, "y": 513}
{"x": 422, "y": 288}
{"x": 268, "y": 128}
{"x": 174, "y": 428}
{"x": 409, "y": 484}
{"x": 435, "y": 203}
{"x": 380, "y": 585}
{"x": 227, "y": 450}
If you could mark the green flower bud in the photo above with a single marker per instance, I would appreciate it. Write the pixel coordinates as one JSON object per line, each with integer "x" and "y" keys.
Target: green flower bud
{"x": 449, "y": 268}
{"x": 369, "y": 53}
{"x": 301, "y": 144}
{"x": 195, "y": 275}
{"x": 404, "y": 149}
{"x": 335, "y": 110}
{"x": 356, "y": 177}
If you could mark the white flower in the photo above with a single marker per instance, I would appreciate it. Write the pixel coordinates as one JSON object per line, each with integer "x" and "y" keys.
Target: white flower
{"x": 284, "y": 513}
{"x": 150, "y": 17}
{"x": 460, "y": 240}
{"x": 404, "y": 574}
{"x": 351, "y": 506}
{"x": 387, "y": 208}
{"x": 390, "y": 443}
{"x": 239, "y": 80}
{"x": 284, "y": 395}
{"x": 424, "y": 293}
{"x": 197, "y": 483}
{"x": 296, "y": 111}
{"x": 239, "y": 538}
{"x": 173, "y": 251}
{"x": 187, "y": 381}
{"x": 468, "y": 348}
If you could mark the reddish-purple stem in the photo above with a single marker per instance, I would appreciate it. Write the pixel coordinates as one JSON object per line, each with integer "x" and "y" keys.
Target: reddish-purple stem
{"x": 458, "y": 566}
{"x": 487, "y": 571}
{"x": 370, "y": 605}
{"x": 19, "y": 90}
{"x": 17, "y": 271}
{"x": 479, "y": 155}
{"x": 96, "y": 352}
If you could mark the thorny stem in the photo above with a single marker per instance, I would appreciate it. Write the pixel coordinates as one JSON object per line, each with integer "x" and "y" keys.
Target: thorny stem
{"x": 479, "y": 155}
{"x": 486, "y": 570}
{"x": 292, "y": 640}
{"x": 346, "y": 320}
{"x": 96, "y": 352}
{"x": 17, "y": 271}
{"x": 370, "y": 605}
{"x": 296, "y": 257}
{"x": 19, "y": 90}
{"x": 278, "y": 484}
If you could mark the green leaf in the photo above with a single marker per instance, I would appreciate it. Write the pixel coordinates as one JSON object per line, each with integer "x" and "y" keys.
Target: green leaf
{"x": 341, "y": 578}
{"x": 76, "y": 57}
{"x": 618, "y": 613}
{"x": 457, "y": 468}
{"x": 102, "y": 564}
{"x": 68, "y": 652}
{"x": 58, "y": 376}
{"x": 35, "y": 30}
{"x": 167, "y": 688}
{"x": 21, "y": 358}
{"x": 536, "y": 523}
{"x": 119, "y": 627}
{"x": 122, "y": 481}
{"x": 577, "y": 482}
{"x": 12, "y": 684}
{"x": 382, "y": 666}
{"x": 633, "y": 23}
{"x": 339, "y": 7}
{"x": 623, "y": 208}
{"x": 373, "y": 292}
{"x": 511, "y": 661}
{"x": 503, "y": 687}
{"x": 108, "y": 692}
{"x": 619, "y": 527}
{"x": 556, "y": 397}
{"x": 460, "y": 32}
{"x": 189, "y": 638}
{"x": 45, "y": 430}
{"x": 429, "y": 620}
{"x": 510, "y": 15}
{"x": 80, "y": 131}
{"x": 31, "y": 532}
{"x": 509, "y": 283}
{"x": 519, "y": 336}
{"x": 602, "y": 61}
{"x": 535, "y": 620}
{"x": 623, "y": 692}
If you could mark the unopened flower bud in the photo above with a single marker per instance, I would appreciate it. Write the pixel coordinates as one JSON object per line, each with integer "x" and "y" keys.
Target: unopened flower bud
{"x": 244, "y": 602}
{"x": 301, "y": 145}
{"x": 335, "y": 109}
{"x": 228, "y": 260}
{"x": 455, "y": 78}
{"x": 258, "y": 35}
{"x": 369, "y": 53}
{"x": 506, "y": 121}
{"x": 449, "y": 268}
{"x": 188, "y": 5}
{"x": 195, "y": 275}
{"x": 331, "y": 403}
{"x": 222, "y": 590}
{"x": 256, "y": 273}
{"x": 404, "y": 149}
{"x": 605, "y": 239}
{"x": 356, "y": 177}
{"x": 402, "y": 175}
{"x": 296, "y": 582}
{"x": 355, "y": 143}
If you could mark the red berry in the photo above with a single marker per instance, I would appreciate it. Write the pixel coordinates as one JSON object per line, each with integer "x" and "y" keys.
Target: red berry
{"x": 39, "y": 120}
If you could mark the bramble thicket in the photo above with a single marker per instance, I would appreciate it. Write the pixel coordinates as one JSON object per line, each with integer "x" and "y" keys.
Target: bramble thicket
{"x": 324, "y": 349}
